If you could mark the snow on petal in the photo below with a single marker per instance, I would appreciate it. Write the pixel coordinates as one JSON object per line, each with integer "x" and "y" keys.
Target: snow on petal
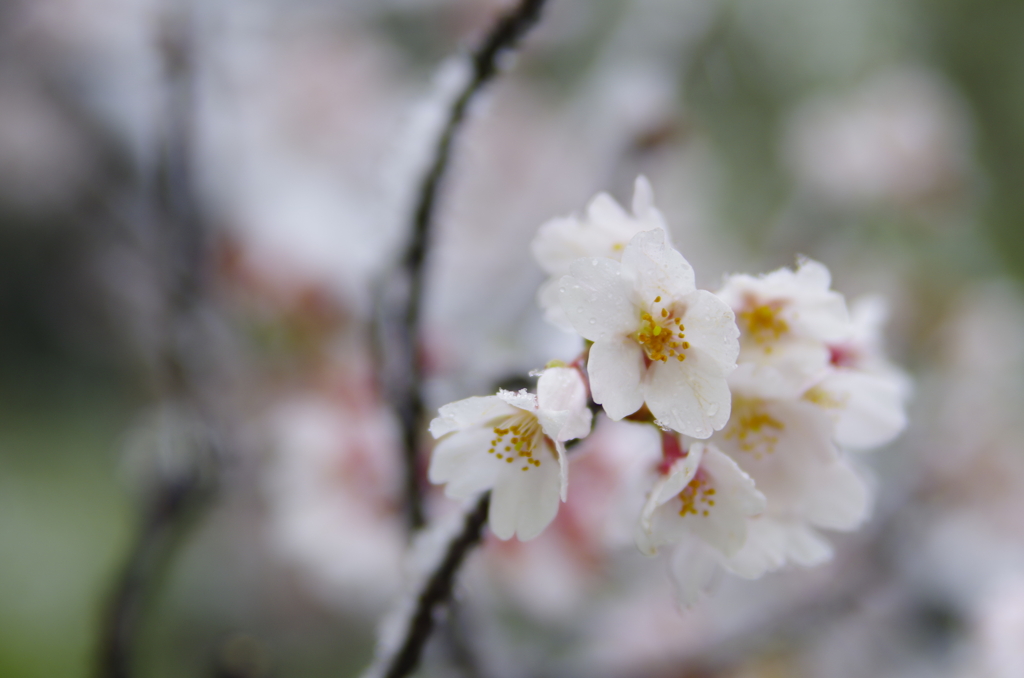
{"x": 468, "y": 412}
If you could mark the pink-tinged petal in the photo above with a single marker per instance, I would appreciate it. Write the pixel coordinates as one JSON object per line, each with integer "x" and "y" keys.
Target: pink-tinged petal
{"x": 468, "y": 412}
{"x": 562, "y": 390}
{"x": 691, "y": 397}
{"x": 523, "y": 503}
{"x": 462, "y": 463}
{"x": 711, "y": 327}
{"x": 657, "y": 268}
{"x": 616, "y": 368}
{"x": 598, "y": 300}
{"x": 521, "y": 399}
{"x": 694, "y": 570}
{"x": 869, "y": 407}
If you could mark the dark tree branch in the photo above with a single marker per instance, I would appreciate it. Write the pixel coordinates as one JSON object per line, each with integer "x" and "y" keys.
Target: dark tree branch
{"x": 437, "y": 592}
{"x": 504, "y": 36}
{"x": 165, "y": 523}
{"x": 173, "y": 238}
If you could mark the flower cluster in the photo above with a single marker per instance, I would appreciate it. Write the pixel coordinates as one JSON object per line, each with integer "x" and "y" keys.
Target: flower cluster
{"x": 759, "y": 389}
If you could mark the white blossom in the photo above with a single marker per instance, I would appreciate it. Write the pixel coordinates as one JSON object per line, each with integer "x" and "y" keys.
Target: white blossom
{"x": 603, "y": 231}
{"x": 514, "y": 444}
{"x": 787, "y": 319}
{"x": 704, "y": 495}
{"x": 657, "y": 338}
{"x": 786, "y": 446}
{"x": 861, "y": 390}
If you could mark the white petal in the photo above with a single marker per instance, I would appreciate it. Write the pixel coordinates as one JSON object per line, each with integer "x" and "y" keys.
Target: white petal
{"x": 806, "y": 547}
{"x": 840, "y": 499}
{"x": 711, "y": 326}
{"x": 549, "y": 298}
{"x": 771, "y": 544}
{"x": 643, "y": 195}
{"x": 559, "y": 242}
{"x": 598, "y": 300}
{"x": 657, "y": 268}
{"x": 680, "y": 475}
{"x": 468, "y": 412}
{"x": 562, "y": 389}
{"x": 694, "y": 570}
{"x": 648, "y": 216}
{"x": 604, "y": 209}
{"x": 462, "y": 462}
{"x": 691, "y": 397}
{"x": 763, "y": 552}
{"x": 523, "y": 503}
{"x": 666, "y": 488}
{"x": 870, "y": 411}
{"x": 616, "y": 368}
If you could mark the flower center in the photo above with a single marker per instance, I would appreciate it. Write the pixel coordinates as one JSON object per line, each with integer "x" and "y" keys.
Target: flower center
{"x": 753, "y": 429}
{"x": 662, "y": 335}
{"x": 764, "y": 322}
{"x": 697, "y": 497}
{"x": 517, "y": 437}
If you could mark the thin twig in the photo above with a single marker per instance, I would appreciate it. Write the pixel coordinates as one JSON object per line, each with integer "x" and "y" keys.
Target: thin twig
{"x": 504, "y": 36}
{"x": 179, "y": 261}
{"x": 437, "y": 592}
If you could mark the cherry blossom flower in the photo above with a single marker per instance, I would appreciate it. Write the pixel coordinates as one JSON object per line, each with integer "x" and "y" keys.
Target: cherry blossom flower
{"x": 513, "y": 443}
{"x": 787, "y": 320}
{"x": 604, "y": 231}
{"x": 862, "y": 391}
{"x": 706, "y": 495}
{"x": 657, "y": 338}
{"x": 786, "y": 446}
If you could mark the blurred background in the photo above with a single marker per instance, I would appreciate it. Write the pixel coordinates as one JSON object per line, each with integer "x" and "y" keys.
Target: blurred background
{"x": 198, "y": 202}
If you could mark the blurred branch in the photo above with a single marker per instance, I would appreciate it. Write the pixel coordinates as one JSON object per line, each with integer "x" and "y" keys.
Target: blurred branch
{"x": 408, "y": 398}
{"x": 167, "y": 516}
{"x": 173, "y": 239}
{"x": 437, "y": 592}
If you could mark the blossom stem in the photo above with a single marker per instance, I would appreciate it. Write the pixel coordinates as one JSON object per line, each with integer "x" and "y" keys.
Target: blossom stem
{"x": 437, "y": 592}
{"x": 503, "y": 36}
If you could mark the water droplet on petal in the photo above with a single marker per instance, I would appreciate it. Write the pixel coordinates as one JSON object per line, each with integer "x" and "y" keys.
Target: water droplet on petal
{"x": 712, "y": 409}
{"x": 593, "y": 321}
{"x": 579, "y": 309}
{"x": 593, "y": 262}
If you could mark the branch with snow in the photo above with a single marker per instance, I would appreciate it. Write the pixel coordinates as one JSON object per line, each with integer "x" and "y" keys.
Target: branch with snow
{"x": 484, "y": 64}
